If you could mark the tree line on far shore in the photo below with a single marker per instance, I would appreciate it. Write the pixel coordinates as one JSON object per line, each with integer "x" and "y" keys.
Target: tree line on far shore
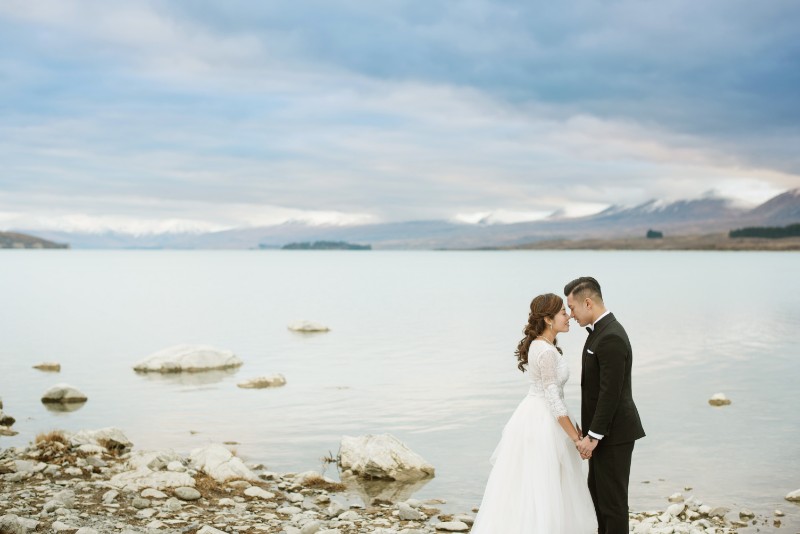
{"x": 770, "y": 232}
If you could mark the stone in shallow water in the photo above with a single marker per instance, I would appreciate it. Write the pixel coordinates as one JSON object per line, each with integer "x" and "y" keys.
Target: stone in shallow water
{"x": 793, "y": 496}
{"x": 719, "y": 399}
{"x": 48, "y": 366}
{"x": 188, "y": 358}
{"x": 382, "y": 456}
{"x": 64, "y": 394}
{"x": 269, "y": 381}
{"x": 307, "y": 326}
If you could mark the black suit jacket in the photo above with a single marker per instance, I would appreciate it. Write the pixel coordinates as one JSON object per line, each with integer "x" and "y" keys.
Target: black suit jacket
{"x": 607, "y": 406}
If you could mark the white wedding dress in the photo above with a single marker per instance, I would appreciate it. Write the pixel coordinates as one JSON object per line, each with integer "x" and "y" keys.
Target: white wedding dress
{"x": 538, "y": 484}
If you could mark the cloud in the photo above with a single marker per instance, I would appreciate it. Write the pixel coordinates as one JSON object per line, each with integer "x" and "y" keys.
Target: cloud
{"x": 346, "y": 111}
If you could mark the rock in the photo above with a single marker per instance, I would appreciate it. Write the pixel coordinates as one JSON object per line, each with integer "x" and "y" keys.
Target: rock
{"x": 64, "y": 394}
{"x": 140, "y": 503}
{"x": 312, "y": 527}
{"x": 719, "y": 399}
{"x": 464, "y": 518}
{"x": 382, "y": 456}
{"x": 676, "y": 509}
{"x": 210, "y": 530}
{"x": 12, "y": 524}
{"x": 5, "y": 431}
{"x": 176, "y": 467}
{"x": 151, "y": 493}
{"x": 793, "y": 496}
{"x": 86, "y": 530}
{"x": 259, "y": 493}
{"x": 188, "y": 358}
{"x": 779, "y": 513}
{"x": 48, "y": 366}
{"x": 217, "y": 462}
{"x": 145, "y": 478}
{"x": 307, "y": 326}
{"x": 349, "y": 515}
{"x": 407, "y": 513}
{"x": 675, "y": 497}
{"x": 744, "y": 513}
{"x": 110, "y": 496}
{"x": 109, "y": 438}
{"x": 66, "y": 498}
{"x": 5, "y": 419}
{"x": 452, "y": 526}
{"x": 173, "y": 505}
{"x": 58, "y": 526}
{"x": 269, "y": 381}
{"x": 154, "y": 460}
{"x": 186, "y": 493}
{"x": 719, "y": 511}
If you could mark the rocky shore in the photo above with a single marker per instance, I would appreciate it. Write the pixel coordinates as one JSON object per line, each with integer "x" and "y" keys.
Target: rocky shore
{"x": 92, "y": 482}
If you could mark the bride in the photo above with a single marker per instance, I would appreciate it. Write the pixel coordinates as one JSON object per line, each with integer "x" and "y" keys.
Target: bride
{"x": 537, "y": 485}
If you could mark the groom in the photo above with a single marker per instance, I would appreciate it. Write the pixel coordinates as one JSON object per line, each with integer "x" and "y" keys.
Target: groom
{"x": 608, "y": 414}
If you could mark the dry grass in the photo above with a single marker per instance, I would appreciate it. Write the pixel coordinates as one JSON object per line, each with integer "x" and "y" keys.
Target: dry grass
{"x": 317, "y": 482}
{"x": 54, "y": 436}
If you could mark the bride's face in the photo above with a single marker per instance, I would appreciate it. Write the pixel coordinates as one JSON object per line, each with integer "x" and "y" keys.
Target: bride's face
{"x": 561, "y": 321}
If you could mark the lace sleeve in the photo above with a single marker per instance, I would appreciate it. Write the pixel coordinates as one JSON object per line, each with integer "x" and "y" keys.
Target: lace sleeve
{"x": 548, "y": 366}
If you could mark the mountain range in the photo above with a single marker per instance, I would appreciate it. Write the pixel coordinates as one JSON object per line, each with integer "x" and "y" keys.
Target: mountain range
{"x": 683, "y": 217}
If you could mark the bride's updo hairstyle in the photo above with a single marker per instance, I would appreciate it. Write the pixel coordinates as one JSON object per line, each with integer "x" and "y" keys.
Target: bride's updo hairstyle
{"x": 543, "y": 306}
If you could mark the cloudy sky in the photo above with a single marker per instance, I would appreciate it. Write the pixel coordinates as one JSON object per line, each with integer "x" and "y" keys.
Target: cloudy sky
{"x": 189, "y": 115}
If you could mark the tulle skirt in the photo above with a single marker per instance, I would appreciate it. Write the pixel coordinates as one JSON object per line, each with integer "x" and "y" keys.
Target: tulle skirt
{"x": 538, "y": 481}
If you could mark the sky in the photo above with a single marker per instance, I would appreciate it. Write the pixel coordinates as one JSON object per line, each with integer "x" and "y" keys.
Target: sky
{"x": 142, "y": 116}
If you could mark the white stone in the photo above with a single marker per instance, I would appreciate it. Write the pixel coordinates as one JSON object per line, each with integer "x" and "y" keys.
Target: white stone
{"x": 220, "y": 464}
{"x": 154, "y": 460}
{"x": 349, "y": 515}
{"x": 110, "y": 496}
{"x": 793, "y": 496}
{"x": 186, "y": 493}
{"x": 719, "y": 399}
{"x": 675, "y": 497}
{"x": 382, "y": 456}
{"x": 259, "y": 493}
{"x": 308, "y": 326}
{"x": 188, "y": 358}
{"x": 176, "y": 466}
{"x": 108, "y": 437}
{"x": 452, "y": 526}
{"x": 58, "y": 526}
{"x": 142, "y": 478}
{"x": 268, "y": 381}
{"x": 64, "y": 394}
{"x": 210, "y": 530}
{"x": 676, "y": 509}
{"x": 86, "y": 530}
{"x": 407, "y": 513}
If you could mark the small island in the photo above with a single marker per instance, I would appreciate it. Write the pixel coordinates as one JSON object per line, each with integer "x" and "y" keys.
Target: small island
{"x": 325, "y": 245}
{"x": 17, "y": 240}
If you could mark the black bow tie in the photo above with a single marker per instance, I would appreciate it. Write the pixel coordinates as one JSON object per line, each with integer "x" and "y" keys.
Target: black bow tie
{"x": 589, "y": 329}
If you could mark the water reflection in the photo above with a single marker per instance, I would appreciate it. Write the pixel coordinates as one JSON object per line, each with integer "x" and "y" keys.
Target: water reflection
{"x": 372, "y": 490}
{"x": 58, "y": 407}
{"x": 198, "y": 378}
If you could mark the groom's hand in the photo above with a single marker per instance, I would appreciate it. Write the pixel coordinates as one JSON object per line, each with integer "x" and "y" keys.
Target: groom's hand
{"x": 586, "y": 446}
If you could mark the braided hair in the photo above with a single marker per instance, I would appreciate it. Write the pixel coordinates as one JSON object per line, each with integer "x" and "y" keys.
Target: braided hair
{"x": 543, "y": 306}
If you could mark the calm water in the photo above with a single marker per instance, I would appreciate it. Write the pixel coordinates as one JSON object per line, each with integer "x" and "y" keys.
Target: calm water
{"x": 421, "y": 347}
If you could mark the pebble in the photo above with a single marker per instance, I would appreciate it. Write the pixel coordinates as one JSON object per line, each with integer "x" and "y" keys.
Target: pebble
{"x": 187, "y": 494}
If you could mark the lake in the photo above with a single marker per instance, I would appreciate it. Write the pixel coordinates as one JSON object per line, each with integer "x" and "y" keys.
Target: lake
{"x": 421, "y": 346}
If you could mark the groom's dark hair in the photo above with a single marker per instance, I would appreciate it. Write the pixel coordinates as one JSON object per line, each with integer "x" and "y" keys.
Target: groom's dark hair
{"x": 583, "y": 287}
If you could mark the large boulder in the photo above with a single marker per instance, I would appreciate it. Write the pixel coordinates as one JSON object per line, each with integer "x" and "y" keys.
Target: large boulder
{"x": 793, "y": 496}
{"x": 307, "y": 326}
{"x": 188, "y": 358}
{"x": 260, "y": 382}
{"x": 382, "y": 456}
{"x": 64, "y": 394}
{"x": 220, "y": 464}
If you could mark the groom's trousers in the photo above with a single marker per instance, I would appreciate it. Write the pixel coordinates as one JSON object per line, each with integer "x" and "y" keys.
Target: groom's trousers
{"x": 609, "y": 472}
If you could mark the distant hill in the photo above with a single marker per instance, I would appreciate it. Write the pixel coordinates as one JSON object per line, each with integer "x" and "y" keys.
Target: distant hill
{"x": 684, "y": 217}
{"x": 16, "y": 240}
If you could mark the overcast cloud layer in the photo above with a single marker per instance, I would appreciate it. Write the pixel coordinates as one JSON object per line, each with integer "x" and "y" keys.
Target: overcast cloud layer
{"x": 199, "y": 115}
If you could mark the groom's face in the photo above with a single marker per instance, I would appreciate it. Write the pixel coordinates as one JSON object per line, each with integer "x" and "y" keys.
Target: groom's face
{"x": 579, "y": 310}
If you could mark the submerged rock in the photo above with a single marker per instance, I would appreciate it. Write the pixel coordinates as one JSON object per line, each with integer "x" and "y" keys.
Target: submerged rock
{"x": 269, "y": 381}
{"x": 719, "y": 399}
{"x": 188, "y": 358}
{"x": 5, "y": 419}
{"x": 382, "y": 456}
{"x": 307, "y": 326}
{"x": 63, "y": 393}
{"x": 48, "y": 366}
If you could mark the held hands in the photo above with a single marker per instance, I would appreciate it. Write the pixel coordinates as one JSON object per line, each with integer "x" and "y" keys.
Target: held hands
{"x": 585, "y": 446}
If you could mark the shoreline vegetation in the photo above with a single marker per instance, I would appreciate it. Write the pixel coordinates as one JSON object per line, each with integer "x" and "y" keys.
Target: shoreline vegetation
{"x": 686, "y": 242}
{"x": 92, "y": 482}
